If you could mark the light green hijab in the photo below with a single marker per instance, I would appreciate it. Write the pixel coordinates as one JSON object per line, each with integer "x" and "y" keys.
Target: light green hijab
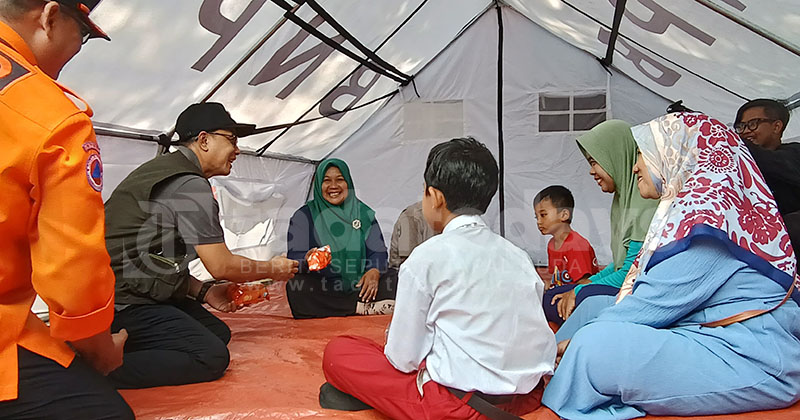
{"x": 336, "y": 226}
{"x": 611, "y": 144}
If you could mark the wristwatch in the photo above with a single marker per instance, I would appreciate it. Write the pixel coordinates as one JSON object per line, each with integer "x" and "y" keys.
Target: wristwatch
{"x": 201, "y": 295}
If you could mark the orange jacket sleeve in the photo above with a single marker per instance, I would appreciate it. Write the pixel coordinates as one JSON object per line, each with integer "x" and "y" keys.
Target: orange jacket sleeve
{"x": 71, "y": 270}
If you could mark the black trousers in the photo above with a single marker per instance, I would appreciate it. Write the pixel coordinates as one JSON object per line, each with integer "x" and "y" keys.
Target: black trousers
{"x": 170, "y": 344}
{"x": 49, "y": 391}
{"x": 310, "y": 295}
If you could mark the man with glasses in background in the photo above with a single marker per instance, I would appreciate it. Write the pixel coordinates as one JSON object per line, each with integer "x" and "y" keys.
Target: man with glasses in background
{"x": 159, "y": 218}
{"x": 51, "y": 225}
{"x": 761, "y": 123}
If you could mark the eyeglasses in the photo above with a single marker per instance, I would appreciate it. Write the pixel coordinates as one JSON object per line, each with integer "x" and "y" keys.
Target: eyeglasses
{"x": 86, "y": 31}
{"x": 231, "y": 138}
{"x": 750, "y": 125}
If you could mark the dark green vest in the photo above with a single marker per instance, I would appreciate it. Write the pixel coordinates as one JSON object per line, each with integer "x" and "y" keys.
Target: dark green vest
{"x": 150, "y": 264}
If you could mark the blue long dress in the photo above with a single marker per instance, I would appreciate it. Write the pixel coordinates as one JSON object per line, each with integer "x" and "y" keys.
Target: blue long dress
{"x": 649, "y": 355}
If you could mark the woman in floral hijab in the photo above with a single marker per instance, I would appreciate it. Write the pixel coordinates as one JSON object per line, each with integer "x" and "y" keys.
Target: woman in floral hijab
{"x": 716, "y": 247}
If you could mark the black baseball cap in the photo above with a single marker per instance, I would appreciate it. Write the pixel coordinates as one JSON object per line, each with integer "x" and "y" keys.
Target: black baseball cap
{"x": 208, "y": 116}
{"x": 83, "y": 8}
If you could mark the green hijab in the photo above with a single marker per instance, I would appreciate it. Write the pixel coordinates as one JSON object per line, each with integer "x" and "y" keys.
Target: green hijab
{"x": 611, "y": 144}
{"x": 336, "y": 226}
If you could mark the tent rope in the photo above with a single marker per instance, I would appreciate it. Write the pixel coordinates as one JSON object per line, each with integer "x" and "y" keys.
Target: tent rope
{"x": 403, "y": 79}
{"x": 619, "y": 11}
{"x": 309, "y": 110}
{"x": 650, "y": 50}
{"x": 269, "y": 128}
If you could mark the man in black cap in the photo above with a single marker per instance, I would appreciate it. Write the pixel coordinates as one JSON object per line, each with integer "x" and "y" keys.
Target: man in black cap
{"x": 159, "y": 218}
{"x": 51, "y": 233}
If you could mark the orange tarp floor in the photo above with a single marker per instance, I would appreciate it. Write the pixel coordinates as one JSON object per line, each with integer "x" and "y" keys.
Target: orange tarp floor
{"x": 276, "y": 371}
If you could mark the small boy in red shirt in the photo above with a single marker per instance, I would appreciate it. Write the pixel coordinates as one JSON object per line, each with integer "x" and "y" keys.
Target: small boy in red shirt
{"x": 570, "y": 257}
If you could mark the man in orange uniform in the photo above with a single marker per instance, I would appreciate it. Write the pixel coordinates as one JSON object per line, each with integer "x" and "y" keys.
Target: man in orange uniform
{"x": 51, "y": 225}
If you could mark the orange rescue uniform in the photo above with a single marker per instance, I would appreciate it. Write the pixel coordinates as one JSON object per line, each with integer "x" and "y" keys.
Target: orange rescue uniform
{"x": 51, "y": 216}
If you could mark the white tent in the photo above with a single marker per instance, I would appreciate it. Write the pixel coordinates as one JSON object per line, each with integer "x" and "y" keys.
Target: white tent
{"x": 522, "y": 76}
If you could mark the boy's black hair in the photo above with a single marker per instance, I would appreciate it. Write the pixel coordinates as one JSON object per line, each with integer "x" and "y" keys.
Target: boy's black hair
{"x": 776, "y": 110}
{"x": 560, "y": 196}
{"x": 465, "y": 171}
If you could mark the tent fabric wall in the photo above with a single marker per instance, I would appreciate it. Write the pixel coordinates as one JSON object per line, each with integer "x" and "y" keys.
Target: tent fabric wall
{"x": 166, "y": 55}
{"x": 386, "y": 164}
{"x": 260, "y": 192}
{"x": 256, "y": 202}
{"x": 120, "y": 157}
{"x": 382, "y": 152}
{"x": 266, "y": 69}
{"x": 686, "y": 50}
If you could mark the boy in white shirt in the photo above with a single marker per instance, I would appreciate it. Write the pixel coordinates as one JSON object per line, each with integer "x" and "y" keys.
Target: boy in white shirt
{"x": 468, "y": 337}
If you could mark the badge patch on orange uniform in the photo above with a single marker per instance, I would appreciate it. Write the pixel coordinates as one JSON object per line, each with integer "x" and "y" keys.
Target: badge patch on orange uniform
{"x": 94, "y": 166}
{"x": 10, "y": 71}
{"x": 94, "y": 172}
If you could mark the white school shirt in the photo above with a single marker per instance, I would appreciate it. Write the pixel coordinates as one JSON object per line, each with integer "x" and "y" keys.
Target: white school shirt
{"x": 469, "y": 303}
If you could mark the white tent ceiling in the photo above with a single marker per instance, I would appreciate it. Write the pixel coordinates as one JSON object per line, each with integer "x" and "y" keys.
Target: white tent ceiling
{"x": 457, "y": 95}
{"x": 165, "y": 55}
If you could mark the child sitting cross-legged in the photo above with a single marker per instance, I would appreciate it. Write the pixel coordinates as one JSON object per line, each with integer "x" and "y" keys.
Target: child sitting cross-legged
{"x": 468, "y": 338}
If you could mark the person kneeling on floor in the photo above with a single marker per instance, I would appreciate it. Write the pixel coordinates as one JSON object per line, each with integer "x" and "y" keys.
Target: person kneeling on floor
{"x": 468, "y": 337}
{"x": 161, "y": 217}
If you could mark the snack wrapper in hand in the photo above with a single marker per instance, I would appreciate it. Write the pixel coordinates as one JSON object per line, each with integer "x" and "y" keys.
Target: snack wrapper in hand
{"x": 319, "y": 258}
{"x": 246, "y": 294}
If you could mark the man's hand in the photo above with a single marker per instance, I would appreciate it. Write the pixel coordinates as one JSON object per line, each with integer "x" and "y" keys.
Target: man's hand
{"x": 369, "y": 285}
{"x": 562, "y": 347}
{"x": 217, "y": 297}
{"x": 566, "y": 303}
{"x": 283, "y": 268}
{"x": 102, "y": 351}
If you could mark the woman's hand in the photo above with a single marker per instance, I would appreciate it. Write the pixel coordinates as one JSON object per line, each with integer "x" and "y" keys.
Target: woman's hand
{"x": 310, "y": 251}
{"x": 566, "y": 303}
{"x": 369, "y": 285}
{"x": 562, "y": 347}
{"x": 217, "y": 297}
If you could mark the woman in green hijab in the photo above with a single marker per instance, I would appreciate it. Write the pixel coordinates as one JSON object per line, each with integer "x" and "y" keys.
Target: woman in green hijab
{"x": 611, "y": 151}
{"x": 356, "y": 281}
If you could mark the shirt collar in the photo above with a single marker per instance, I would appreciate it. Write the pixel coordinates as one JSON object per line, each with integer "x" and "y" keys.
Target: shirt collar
{"x": 463, "y": 220}
{"x": 191, "y": 156}
{"x": 11, "y": 38}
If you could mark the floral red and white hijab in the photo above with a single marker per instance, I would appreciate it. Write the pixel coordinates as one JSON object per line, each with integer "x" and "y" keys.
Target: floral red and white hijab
{"x": 711, "y": 186}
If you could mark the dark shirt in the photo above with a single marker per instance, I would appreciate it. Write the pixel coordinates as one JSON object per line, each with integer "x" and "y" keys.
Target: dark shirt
{"x": 302, "y": 237}
{"x": 781, "y": 170}
{"x": 186, "y": 202}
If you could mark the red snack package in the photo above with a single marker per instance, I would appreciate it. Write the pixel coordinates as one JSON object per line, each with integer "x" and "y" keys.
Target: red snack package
{"x": 319, "y": 258}
{"x": 246, "y": 294}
